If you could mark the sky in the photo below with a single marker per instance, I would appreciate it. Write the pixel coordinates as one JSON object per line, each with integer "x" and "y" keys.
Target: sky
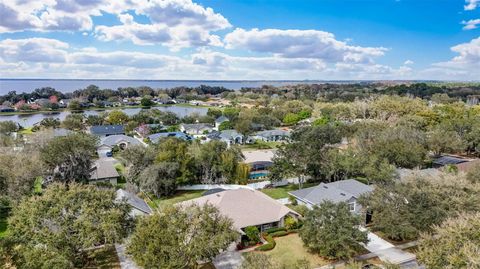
{"x": 241, "y": 39}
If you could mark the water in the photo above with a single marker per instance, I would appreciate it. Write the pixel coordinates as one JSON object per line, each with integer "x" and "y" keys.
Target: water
{"x": 30, "y": 119}
{"x": 70, "y": 85}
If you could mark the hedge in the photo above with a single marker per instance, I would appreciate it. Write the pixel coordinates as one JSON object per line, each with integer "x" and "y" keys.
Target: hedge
{"x": 269, "y": 245}
{"x": 279, "y": 234}
{"x": 273, "y": 230}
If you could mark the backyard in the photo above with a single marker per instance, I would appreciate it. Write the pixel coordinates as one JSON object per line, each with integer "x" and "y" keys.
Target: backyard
{"x": 282, "y": 192}
{"x": 290, "y": 248}
{"x": 179, "y": 196}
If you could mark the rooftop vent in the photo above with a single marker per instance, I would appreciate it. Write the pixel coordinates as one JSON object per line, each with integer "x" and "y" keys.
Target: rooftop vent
{"x": 342, "y": 194}
{"x": 325, "y": 186}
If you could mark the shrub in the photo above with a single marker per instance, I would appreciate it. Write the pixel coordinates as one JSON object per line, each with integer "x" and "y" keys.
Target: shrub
{"x": 292, "y": 200}
{"x": 290, "y": 223}
{"x": 279, "y": 234}
{"x": 252, "y": 233}
{"x": 269, "y": 245}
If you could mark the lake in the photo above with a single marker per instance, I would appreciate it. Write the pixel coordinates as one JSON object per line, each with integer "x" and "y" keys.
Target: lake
{"x": 30, "y": 119}
{"x": 70, "y": 85}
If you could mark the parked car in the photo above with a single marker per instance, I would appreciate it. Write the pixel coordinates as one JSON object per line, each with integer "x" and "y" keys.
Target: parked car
{"x": 109, "y": 154}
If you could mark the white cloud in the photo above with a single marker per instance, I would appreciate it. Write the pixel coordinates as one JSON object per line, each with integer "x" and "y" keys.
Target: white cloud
{"x": 471, "y": 24}
{"x": 301, "y": 44}
{"x": 465, "y": 65}
{"x": 408, "y": 62}
{"x": 41, "y": 50}
{"x": 471, "y": 4}
{"x": 174, "y": 23}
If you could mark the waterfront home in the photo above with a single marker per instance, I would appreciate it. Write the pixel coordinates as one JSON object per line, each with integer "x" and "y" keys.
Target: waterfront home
{"x": 196, "y": 128}
{"x": 108, "y": 143}
{"x": 6, "y": 109}
{"x": 347, "y": 191}
{"x": 107, "y": 130}
{"x": 246, "y": 207}
{"x": 259, "y": 162}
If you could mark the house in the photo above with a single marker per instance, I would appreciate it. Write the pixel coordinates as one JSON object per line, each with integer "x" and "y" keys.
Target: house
{"x": 103, "y": 171}
{"x": 138, "y": 206}
{"x": 196, "y": 128}
{"x": 154, "y": 138}
{"x": 259, "y": 162}
{"x": 121, "y": 141}
{"x": 42, "y": 102}
{"x": 64, "y": 102}
{"x": 228, "y": 136}
{"x": 346, "y": 191}
{"x": 107, "y": 130}
{"x": 272, "y": 135}
{"x": 447, "y": 160}
{"x": 219, "y": 121}
{"x": 246, "y": 207}
{"x": 6, "y": 109}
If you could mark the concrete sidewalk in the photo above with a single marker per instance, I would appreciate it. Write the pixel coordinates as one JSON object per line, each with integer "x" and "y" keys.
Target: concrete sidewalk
{"x": 386, "y": 251}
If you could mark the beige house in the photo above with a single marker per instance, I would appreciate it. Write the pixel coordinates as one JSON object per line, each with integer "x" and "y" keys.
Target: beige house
{"x": 247, "y": 207}
{"x": 104, "y": 171}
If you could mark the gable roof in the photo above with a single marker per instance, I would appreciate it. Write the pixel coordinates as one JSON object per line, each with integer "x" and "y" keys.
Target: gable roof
{"x": 270, "y": 133}
{"x": 245, "y": 207}
{"x": 338, "y": 191}
{"x": 133, "y": 200}
{"x": 107, "y": 129}
{"x": 113, "y": 140}
{"x": 196, "y": 127}
{"x": 103, "y": 169}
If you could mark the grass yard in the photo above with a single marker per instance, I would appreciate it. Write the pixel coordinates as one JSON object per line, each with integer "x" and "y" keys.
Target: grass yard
{"x": 180, "y": 196}
{"x": 26, "y": 131}
{"x": 282, "y": 192}
{"x": 3, "y": 227}
{"x": 290, "y": 248}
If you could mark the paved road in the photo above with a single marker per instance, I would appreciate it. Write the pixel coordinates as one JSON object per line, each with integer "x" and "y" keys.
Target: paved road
{"x": 125, "y": 261}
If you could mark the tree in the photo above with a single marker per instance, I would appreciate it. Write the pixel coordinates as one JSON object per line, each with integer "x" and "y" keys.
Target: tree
{"x": 473, "y": 175}
{"x": 226, "y": 125}
{"x": 74, "y": 105}
{"x": 137, "y": 158}
{"x": 404, "y": 210}
{"x": 253, "y": 234}
{"x": 146, "y": 101}
{"x": 253, "y": 260}
{"x": 441, "y": 141}
{"x": 331, "y": 230}
{"x": 50, "y": 123}
{"x": 8, "y": 127}
{"x": 453, "y": 244}
{"x": 69, "y": 158}
{"x": 117, "y": 117}
{"x": 62, "y": 223}
{"x": 160, "y": 179}
{"x": 291, "y": 119}
{"x": 180, "y": 237}
{"x": 74, "y": 122}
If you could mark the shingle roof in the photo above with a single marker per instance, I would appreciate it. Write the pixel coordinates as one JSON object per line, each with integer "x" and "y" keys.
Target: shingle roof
{"x": 103, "y": 169}
{"x": 269, "y": 133}
{"x": 107, "y": 129}
{"x": 445, "y": 160}
{"x": 116, "y": 139}
{"x": 154, "y": 138}
{"x": 196, "y": 127}
{"x": 221, "y": 119}
{"x": 133, "y": 200}
{"x": 244, "y": 206}
{"x": 339, "y": 191}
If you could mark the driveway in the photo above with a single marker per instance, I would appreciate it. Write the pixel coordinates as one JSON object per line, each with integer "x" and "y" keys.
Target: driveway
{"x": 229, "y": 259}
{"x": 386, "y": 251}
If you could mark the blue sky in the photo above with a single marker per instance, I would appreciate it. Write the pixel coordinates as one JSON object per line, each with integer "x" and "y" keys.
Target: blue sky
{"x": 234, "y": 39}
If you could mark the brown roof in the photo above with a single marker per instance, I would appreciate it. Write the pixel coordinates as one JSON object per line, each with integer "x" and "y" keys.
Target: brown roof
{"x": 102, "y": 170}
{"x": 245, "y": 207}
{"x": 467, "y": 166}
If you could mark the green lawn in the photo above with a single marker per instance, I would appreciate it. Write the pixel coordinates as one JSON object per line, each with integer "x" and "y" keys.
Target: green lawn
{"x": 26, "y": 131}
{"x": 3, "y": 225}
{"x": 290, "y": 248}
{"x": 282, "y": 192}
{"x": 180, "y": 196}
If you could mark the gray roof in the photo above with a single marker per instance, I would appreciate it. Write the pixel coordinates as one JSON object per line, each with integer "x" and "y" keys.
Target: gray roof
{"x": 224, "y": 135}
{"x": 103, "y": 169}
{"x": 339, "y": 191}
{"x": 154, "y": 138}
{"x": 221, "y": 119}
{"x": 445, "y": 160}
{"x": 270, "y": 133}
{"x": 113, "y": 140}
{"x": 196, "y": 127}
{"x": 107, "y": 129}
{"x": 133, "y": 200}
